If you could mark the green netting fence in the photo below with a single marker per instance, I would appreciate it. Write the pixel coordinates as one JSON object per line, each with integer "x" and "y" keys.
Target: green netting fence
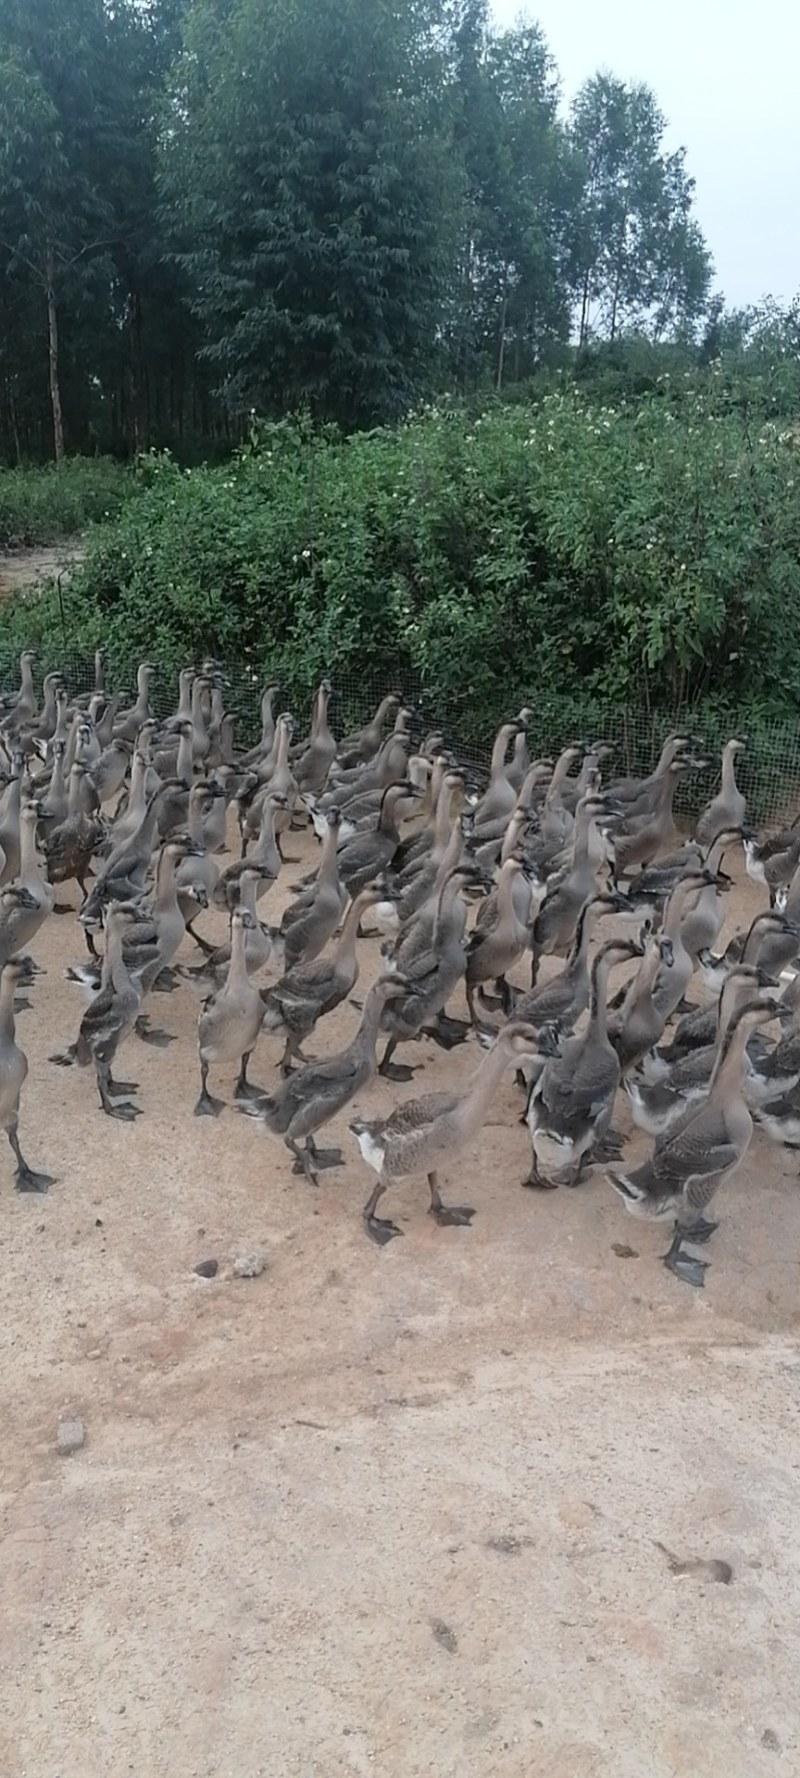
{"x": 769, "y": 771}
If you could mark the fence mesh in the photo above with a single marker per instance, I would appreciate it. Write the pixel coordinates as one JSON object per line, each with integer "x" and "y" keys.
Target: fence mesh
{"x": 768, "y": 772}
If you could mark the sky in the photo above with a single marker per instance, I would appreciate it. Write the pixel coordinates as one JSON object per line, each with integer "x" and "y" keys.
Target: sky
{"x": 725, "y": 73}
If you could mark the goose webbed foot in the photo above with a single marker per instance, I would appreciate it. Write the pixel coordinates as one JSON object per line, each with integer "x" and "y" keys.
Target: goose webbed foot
{"x": 122, "y": 1086}
{"x": 379, "y": 1228}
{"x": 26, "y": 1180}
{"x": 152, "y": 1034}
{"x": 244, "y": 1089}
{"x": 447, "y": 1215}
{"x": 451, "y": 1215}
{"x": 689, "y": 1270}
{"x": 165, "y": 982}
{"x": 324, "y": 1157}
{"x": 448, "y": 1032}
{"x": 400, "y": 1071}
{"x": 121, "y": 1109}
{"x": 207, "y": 1106}
{"x": 22, "y": 1005}
{"x": 62, "y": 907}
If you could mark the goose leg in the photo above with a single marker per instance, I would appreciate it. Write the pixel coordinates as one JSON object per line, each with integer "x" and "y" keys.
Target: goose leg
{"x": 396, "y": 1070}
{"x": 700, "y": 1231}
{"x": 447, "y": 1215}
{"x": 379, "y": 1230}
{"x": 90, "y": 944}
{"x": 691, "y": 1271}
{"x": 26, "y": 1179}
{"x": 207, "y": 949}
{"x": 304, "y": 1159}
{"x": 536, "y": 1180}
{"x": 206, "y": 1106}
{"x": 113, "y": 1107}
{"x": 293, "y": 1052}
{"x": 244, "y": 1088}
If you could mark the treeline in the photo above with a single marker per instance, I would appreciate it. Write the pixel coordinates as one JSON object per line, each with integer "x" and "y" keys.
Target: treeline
{"x": 209, "y": 207}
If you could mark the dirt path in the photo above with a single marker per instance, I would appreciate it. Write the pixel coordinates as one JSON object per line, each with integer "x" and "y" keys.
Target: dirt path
{"x": 22, "y": 568}
{"x": 387, "y": 1512}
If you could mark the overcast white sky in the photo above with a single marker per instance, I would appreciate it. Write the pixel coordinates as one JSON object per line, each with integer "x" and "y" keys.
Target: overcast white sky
{"x": 727, "y": 75}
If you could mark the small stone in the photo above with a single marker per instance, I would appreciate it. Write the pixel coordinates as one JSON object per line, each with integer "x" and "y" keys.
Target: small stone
{"x": 770, "y": 1739}
{"x": 71, "y": 1436}
{"x": 445, "y": 1634}
{"x": 623, "y": 1251}
{"x": 248, "y": 1265}
{"x": 208, "y": 1268}
{"x": 95, "y": 1352}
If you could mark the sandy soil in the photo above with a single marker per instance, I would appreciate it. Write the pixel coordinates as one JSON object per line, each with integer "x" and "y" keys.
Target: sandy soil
{"x": 23, "y": 567}
{"x": 381, "y": 1511}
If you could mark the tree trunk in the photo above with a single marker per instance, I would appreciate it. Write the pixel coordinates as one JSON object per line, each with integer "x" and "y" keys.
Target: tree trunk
{"x": 583, "y": 333}
{"x": 52, "y": 347}
{"x": 501, "y": 345}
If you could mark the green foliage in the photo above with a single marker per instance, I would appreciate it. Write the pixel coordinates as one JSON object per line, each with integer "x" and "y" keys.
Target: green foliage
{"x": 639, "y": 556}
{"x": 309, "y": 192}
{"x": 46, "y": 505}
{"x": 639, "y": 256}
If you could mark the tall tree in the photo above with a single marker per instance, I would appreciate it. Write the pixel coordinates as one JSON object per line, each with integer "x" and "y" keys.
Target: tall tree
{"x": 639, "y": 258}
{"x": 305, "y": 174}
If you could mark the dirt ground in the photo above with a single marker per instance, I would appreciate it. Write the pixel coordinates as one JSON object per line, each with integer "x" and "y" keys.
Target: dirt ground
{"x": 392, "y": 1512}
{"x": 23, "y": 567}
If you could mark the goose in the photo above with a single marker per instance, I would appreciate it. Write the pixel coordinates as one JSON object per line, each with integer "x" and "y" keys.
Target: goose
{"x": 229, "y": 1022}
{"x": 258, "y": 943}
{"x": 309, "y": 990}
{"x": 774, "y": 860}
{"x": 671, "y": 982}
{"x": 176, "y": 760}
{"x": 308, "y": 1099}
{"x": 434, "y": 963}
{"x": 264, "y": 747}
{"x": 312, "y": 768}
{"x": 18, "y": 709}
{"x": 275, "y": 777}
{"x": 556, "y": 921}
{"x": 500, "y": 795}
{"x": 691, "y": 1161}
{"x": 183, "y": 713}
{"x": 197, "y": 875}
{"x": 111, "y": 1015}
{"x": 638, "y": 795}
{"x": 13, "y": 1072}
{"x": 124, "y": 871}
{"x": 53, "y": 800}
{"x": 70, "y": 846}
{"x": 9, "y": 819}
{"x": 570, "y": 1105}
{"x": 312, "y": 918}
{"x": 363, "y": 858}
{"x": 359, "y": 748}
{"x": 657, "y": 1104}
{"x": 727, "y": 809}
{"x": 498, "y": 943}
{"x": 643, "y": 838}
{"x": 639, "y": 1026}
{"x": 704, "y": 915}
{"x": 556, "y": 822}
{"x": 33, "y": 880}
{"x": 771, "y": 941}
{"x": 128, "y": 726}
{"x": 561, "y": 1000}
{"x": 108, "y": 774}
{"x": 265, "y": 855}
{"x": 420, "y": 1134}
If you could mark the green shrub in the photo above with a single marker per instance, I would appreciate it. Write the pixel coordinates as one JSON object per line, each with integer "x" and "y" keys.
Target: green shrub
{"x": 643, "y": 557}
{"x": 44, "y": 505}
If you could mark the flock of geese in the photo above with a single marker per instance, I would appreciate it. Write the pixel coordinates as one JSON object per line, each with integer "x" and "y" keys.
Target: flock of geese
{"x": 466, "y": 881}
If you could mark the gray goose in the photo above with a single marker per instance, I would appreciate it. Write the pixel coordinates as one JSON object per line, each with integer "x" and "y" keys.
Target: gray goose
{"x": 694, "y": 1157}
